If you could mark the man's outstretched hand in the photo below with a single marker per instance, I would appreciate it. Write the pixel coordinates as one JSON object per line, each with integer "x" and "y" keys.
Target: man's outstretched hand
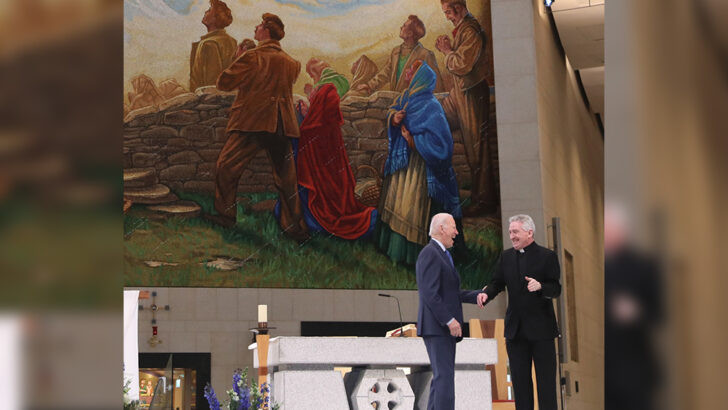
{"x": 482, "y": 298}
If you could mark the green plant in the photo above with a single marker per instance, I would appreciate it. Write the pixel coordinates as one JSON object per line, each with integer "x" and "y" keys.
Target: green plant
{"x": 129, "y": 404}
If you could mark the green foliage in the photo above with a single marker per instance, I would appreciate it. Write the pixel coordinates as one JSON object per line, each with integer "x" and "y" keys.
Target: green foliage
{"x": 129, "y": 404}
{"x": 255, "y": 394}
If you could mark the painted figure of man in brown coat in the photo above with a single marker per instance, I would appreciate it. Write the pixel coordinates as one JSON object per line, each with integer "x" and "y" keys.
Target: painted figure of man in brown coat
{"x": 391, "y": 77}
{"x": 215, "y": 50}
{"x": 261, "y": 117}
{"x": 466, "y": 60}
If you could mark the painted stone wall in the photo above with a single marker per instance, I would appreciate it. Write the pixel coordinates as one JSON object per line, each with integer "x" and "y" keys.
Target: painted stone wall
{"x": 182, "y": 137}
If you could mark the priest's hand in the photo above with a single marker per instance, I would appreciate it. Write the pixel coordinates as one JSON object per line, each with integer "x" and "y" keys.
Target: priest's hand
{"x": 455, "y": 329}
{"x": 408, "y": 137}
{"x": 482, "y": 298}
{"x": 443, "y": 44}
{"x": 363, "y": 87}
{"x": 533, "y": 284}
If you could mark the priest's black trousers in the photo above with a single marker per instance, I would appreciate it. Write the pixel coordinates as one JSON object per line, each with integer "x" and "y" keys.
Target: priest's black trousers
{"x": 521, "y": 352}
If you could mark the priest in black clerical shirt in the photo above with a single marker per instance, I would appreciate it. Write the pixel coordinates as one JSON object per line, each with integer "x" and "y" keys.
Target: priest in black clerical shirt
{"x": 530, "y": 273}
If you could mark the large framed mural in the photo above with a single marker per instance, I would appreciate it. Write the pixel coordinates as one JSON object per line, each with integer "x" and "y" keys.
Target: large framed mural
{"x": 305, "y": 143}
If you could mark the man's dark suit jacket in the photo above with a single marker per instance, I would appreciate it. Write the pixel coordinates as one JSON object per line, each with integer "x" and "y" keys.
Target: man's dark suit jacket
{"x": 532, "y": 312}
{"x": 440, "y": 297}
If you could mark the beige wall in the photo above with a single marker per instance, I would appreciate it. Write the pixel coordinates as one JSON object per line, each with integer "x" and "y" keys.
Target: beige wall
{"x": 572, "y": 177}
{"x": 519, "y": 151}
{"x": 217, "y": 320}
{"x": 551, "y": 164}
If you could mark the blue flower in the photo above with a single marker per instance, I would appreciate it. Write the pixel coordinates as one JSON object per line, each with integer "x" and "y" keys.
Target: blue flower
{"x": 211, "y": 398}
{"x": 263, "y": 400}
{"x": 241, "y": 390}
{"x": 244, "y": 400}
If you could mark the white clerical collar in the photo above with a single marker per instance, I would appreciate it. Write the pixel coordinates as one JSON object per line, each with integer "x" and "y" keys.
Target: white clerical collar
{"x": 523, "y": 250}
{"x": 440, "y": 243}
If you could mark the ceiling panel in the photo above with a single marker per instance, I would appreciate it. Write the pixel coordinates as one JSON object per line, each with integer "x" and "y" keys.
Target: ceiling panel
{"x": 580, "y": 24}
{"x": 582, "y": 35}
{"x": 568, "y": 4}
{"x": 560, "y": 5}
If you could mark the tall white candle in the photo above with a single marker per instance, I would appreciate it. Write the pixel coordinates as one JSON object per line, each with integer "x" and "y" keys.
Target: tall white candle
{"x": 262, "y": 313}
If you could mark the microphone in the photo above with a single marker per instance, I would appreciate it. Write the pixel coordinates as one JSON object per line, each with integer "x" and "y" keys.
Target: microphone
{"x": 401, "y": 324}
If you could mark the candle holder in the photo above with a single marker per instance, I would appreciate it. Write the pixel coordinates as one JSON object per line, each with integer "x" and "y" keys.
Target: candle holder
{"x": 262, "y": 329}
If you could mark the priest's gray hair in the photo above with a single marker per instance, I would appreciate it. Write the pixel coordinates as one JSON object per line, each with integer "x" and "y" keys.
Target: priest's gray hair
{"x": 525, "y": 220}
{"x": 437, "y": 221}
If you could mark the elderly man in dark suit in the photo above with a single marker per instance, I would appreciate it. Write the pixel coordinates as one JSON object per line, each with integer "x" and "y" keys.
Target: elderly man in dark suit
{"x": 531, "y": 275}
{"x": 440, "y": 311}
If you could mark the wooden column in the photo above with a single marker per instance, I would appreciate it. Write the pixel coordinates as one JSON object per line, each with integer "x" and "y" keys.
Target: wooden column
{"x": 262, "y": 341}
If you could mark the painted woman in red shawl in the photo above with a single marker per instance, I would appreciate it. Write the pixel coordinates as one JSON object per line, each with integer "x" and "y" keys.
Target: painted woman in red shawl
{"x": 323, "y": 166}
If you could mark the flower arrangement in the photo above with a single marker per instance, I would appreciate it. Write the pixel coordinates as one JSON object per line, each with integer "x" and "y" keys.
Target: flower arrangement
{"x": 242, "y": 396}
{"x": 129, "y": 404}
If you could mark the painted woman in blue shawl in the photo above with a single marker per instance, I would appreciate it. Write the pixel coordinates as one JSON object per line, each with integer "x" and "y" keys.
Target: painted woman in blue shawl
{"x": 419, "y": 178}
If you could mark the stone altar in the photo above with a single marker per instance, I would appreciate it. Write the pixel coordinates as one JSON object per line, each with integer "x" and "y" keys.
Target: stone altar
{"x": 302, "y": 376}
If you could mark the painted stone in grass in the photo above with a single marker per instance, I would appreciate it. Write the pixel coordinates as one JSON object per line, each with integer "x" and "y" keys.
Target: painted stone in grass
{"x": 225, "y": 263}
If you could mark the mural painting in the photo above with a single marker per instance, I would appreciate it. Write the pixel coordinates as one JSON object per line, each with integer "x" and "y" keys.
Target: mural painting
{"x": 304, "y": 143}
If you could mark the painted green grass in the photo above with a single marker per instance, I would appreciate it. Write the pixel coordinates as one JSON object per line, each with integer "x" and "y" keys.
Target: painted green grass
{"x": 270, "y": 259}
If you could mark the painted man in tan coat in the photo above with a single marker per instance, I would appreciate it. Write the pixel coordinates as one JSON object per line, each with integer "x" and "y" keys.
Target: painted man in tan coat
{"x": 391, "y": 77}
{"x": 261, "y": 118}
{"x": 215, "y": 50}
{"x": 466, "y": 60}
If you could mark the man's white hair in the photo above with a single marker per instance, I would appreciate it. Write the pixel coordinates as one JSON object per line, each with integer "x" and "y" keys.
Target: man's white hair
{"x": 525, "y": 220}
{"x": 437, "y": 221}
